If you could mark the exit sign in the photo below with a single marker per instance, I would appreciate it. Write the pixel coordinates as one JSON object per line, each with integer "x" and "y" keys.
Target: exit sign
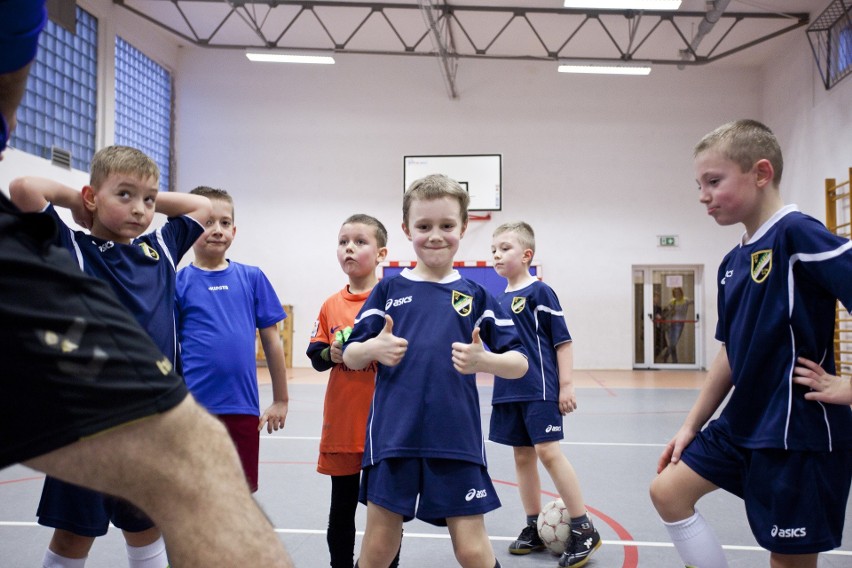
{"x": 667, "y": 240}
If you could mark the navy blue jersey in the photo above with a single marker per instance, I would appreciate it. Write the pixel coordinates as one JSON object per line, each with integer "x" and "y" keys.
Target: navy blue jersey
{"x": 776, "y": 301}
{"x": 540, "y": 322}
{"x": 423, "y": 407}
{"x": 142, "y": 274}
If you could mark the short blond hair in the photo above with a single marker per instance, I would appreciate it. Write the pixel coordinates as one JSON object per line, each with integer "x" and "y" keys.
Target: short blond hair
{"x": 435, "y": 186}
{"x": 744, "y": 142}
{"x": 121, "y": 160}
{"x": 524, "y": 232}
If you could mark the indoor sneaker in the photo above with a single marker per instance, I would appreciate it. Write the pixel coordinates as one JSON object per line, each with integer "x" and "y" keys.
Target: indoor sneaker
{"x": 581, "y": 546}
{"x": 528, "y": 541}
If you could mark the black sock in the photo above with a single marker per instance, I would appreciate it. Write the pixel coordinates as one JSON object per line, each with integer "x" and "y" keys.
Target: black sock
{"x": 532, "y": 519}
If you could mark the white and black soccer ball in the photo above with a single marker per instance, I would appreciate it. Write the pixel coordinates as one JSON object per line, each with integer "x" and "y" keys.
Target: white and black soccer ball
{"x": 554, "y": 526}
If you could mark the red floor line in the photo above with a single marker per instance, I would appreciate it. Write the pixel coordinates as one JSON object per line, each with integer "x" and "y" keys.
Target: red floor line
{"x": 602, "y": 384}
{"x": 631, "y": 553}
{"x": 20, "y": 480}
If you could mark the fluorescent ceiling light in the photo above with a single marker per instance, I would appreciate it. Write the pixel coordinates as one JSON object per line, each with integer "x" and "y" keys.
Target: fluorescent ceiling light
{"x": 605, "y": 67}
{"x": 624, "y": 4}
{"x": 268, "y": 56}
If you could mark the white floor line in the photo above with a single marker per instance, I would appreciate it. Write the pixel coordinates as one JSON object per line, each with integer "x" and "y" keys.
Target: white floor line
{"x": 624, "y": 444}
{"x": 445, "y": 536}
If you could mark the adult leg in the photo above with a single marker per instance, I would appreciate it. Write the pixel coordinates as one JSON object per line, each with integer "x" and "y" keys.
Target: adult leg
{"x": 382, "y": 537}
{"x": 160, "y": 464}
{"x": 674, "y": 493}
{"x": 470, "y": 542}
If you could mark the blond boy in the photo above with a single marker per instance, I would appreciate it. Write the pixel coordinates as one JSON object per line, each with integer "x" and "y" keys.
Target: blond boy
{"x": 117, "y": 207}
{"x": 426, "y": 328}
{"x": 527, "y": 413}
{"x": 788, "y": 456}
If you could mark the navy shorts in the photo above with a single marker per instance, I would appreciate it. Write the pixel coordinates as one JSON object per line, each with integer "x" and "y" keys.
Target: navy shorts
{"x": 446, "y": 488}
{"x": 525, "y": 423}
{"x": 795, "y": 500}
{"x": 85, "y": 512}
{"x": 75, "y": 362}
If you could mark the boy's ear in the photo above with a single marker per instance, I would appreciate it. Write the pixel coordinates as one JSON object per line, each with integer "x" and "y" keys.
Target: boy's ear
{"x": 765, "y": 172}
{"x": 406, "y": 231}
{"x": 464, "y": 228}
{"x": 88, "y": 193}
{"x": 381, "y": 255}
{"x": 527, "y": 257}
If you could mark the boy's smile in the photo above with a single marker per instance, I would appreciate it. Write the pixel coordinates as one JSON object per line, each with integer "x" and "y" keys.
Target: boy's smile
{"x": 435, "y": 228}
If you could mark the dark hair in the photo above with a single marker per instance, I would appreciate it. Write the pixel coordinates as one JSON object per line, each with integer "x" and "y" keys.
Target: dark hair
{"x": 381, "y": 232}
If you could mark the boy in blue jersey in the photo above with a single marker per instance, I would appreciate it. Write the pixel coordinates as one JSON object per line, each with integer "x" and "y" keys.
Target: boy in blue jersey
{"x": 424, "y": 455}
{"x": 117, "y": 206}
{"x": 784, "y": 452}
{"x": 219, "y": 305}
{"x": 527, "y": 413}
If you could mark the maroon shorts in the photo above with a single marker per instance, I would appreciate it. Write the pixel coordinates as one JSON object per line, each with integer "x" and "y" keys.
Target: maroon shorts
{"x": 246, "y": 437}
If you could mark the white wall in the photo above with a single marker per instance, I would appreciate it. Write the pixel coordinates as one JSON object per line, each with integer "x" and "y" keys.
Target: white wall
{"x": 599, "y": 166}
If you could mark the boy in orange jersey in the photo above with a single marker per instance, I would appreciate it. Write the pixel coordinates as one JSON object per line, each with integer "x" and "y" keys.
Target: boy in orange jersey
{"x": 361, "y": 246}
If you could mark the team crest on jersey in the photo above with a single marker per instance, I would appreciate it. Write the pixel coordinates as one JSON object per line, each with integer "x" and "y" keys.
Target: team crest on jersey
{"x": 518, "y": 304}
{"x": 761, "y": 265}
{"x": 149, "y": 251}
{"x": 462, "y": 303}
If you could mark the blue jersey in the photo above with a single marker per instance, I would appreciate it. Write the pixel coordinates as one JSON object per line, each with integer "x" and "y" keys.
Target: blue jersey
{"x": 423, "y": 407}
{"x": 777, "y": 298}
{"x": 218, "y": 313}
{"x": 540, "y": 322}
{"x": 142, "y": 274}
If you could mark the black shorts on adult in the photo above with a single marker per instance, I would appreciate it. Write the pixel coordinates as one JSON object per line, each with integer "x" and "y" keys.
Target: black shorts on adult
{"x": 75, "y": 362}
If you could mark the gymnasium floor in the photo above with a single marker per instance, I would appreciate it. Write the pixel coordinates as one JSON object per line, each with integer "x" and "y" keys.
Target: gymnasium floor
{"x": 613, "y": 441}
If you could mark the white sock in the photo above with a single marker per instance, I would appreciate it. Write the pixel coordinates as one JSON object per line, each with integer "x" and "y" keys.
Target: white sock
{"x": 53, "y": 560}
{"x": 696, "y": 543}
{"x": 149, "y": 556}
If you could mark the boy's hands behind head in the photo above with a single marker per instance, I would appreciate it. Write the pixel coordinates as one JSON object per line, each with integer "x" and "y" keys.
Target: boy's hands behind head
{"x": 388, "y": 348}
{"x": 467, "y": 356}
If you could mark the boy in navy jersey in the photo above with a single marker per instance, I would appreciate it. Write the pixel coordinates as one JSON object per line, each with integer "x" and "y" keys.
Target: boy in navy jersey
{"x": 784, "y": 452}
{"x": 219, "y": 305}
{"x": 424, "y": 455}
{"x": 527, "y": 413}
{"x": 117, "y": 207}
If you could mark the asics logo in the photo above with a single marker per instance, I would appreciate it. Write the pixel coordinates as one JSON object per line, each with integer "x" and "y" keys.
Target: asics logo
{"x": 788, "y": 533}
{"x": 398, "y": 302}
{"x": 728, "y": 274}
{"x": 106, "y": 246}
{"x": 552, "y": 428}
{"x": 475, "y": 494}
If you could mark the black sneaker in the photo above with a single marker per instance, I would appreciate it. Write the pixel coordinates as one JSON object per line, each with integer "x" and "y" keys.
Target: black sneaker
{"x": 580, "y": 547}
{"x": 527, "y": 542}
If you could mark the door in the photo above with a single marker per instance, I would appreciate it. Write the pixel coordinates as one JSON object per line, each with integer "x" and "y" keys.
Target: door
{"x": 667, "y": 323}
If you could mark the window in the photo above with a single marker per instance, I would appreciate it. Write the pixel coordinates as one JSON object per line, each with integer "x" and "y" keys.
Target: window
{"x": 60, "y": 104}
{"x": 143, "y": 107}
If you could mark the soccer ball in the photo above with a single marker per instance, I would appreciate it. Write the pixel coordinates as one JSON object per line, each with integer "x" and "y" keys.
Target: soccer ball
{"x": 554, "y": 526}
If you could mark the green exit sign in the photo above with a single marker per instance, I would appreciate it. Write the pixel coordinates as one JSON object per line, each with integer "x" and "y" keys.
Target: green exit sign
{"x": 668, "y": 240}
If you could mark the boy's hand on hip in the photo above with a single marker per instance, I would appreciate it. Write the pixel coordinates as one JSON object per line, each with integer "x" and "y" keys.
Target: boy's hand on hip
{"x": 467, "y": 356}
